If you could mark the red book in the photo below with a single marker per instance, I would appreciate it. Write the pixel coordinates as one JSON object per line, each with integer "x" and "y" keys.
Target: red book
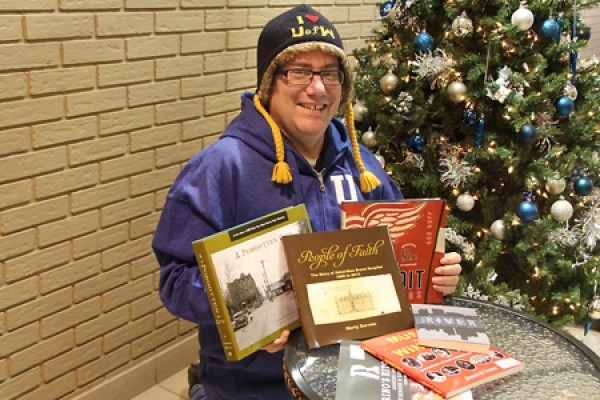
{"x": 447, "y": 372}
{"x": 417, "y": 228}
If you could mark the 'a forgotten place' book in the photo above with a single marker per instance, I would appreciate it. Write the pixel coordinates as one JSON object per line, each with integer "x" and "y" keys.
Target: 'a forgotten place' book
{"x": 247, "y": 281}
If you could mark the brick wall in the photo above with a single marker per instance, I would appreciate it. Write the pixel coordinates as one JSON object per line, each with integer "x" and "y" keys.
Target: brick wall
{"x": 101, "y": 104}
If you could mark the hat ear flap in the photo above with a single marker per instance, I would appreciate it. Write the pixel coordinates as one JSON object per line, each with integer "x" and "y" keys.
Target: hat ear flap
{"x": 281, "y": 171}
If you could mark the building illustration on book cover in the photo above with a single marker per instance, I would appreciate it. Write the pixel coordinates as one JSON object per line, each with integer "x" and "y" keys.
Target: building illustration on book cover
{"x": 247, "y": 280}
{"x": 417, "y": 229}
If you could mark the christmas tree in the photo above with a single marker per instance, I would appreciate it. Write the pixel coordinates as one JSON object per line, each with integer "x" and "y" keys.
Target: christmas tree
{"x": 486, "y": 103}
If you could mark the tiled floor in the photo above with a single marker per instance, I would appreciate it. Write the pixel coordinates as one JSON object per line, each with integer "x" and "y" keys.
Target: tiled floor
{"x": 175, "y": 387}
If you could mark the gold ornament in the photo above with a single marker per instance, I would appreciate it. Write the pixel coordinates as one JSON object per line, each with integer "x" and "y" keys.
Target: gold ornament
{"x": 555, "y": 186}
{"x": 389, "y": 83}
{"x": 457, "y": 92}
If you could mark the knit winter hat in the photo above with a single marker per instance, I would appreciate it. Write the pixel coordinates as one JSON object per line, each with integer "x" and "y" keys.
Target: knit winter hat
{"x": 298, "y": 30}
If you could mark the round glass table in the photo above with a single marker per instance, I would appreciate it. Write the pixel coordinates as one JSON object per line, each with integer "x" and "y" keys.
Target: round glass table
{"x": 557, "y": 365}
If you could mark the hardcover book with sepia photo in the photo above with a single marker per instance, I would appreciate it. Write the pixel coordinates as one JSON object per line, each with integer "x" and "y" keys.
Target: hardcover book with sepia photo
{"x": 347, "y": 284}
{"x": 247, "y": 281}
{"x": 417, "y": 228}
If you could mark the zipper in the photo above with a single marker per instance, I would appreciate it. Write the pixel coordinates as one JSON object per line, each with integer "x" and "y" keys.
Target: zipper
{"x": 320, "y": 178}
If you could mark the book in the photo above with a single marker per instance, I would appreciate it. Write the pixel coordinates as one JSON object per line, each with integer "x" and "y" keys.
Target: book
{"x": 347, "y": 284}
{"x": 451, "y": 327}
{"x": 361, "y": 376}
{"x": 447, "y": 372}
{"x": 417, "y": 227}
{"x": 247, "y": 281}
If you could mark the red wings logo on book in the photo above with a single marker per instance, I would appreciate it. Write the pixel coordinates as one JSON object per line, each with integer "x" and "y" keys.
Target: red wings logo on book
{"x": 398, "y": 220}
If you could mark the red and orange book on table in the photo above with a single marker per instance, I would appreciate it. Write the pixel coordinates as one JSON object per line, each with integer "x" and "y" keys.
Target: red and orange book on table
{"x": 447, "y": 372}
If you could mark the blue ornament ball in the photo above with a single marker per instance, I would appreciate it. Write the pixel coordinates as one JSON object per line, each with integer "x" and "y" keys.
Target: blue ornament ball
{"x": 528, "y": 134}
{"x": 584, "y": 33}
{"x": 583, "y": 186}
{"x": 416, "y": 143}
{"x": 550, "y": 29}
{"x": 470, "y": 117}
{"x": 385, "y": 8}
{"x": 424, "y": 42}
{"x": 564, "y": 106}
{"x": 527, "y": 211}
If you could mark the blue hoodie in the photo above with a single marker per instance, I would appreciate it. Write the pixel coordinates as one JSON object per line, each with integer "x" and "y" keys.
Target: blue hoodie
{"x": 227, "y": 184}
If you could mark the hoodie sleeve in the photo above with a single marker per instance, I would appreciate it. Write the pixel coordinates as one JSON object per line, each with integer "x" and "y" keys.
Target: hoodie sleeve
{"x": 193, "y": 209}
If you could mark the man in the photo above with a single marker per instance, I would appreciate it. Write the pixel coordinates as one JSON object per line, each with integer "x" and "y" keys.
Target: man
{"x": 285, "y": 148}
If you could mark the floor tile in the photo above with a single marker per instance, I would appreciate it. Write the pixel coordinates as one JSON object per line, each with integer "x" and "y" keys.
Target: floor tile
{"x": 177, "y": 384}
{"x": 158, "y": 393}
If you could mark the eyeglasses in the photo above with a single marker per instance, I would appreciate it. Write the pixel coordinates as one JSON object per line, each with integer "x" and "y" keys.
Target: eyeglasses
{"x": 305, "y": 76}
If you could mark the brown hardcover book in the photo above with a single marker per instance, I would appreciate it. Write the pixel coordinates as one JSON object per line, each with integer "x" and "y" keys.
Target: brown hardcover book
{"x": 347, "y": 284}
{"x": 444, "y": 371}
{"x": 417, "y": 228}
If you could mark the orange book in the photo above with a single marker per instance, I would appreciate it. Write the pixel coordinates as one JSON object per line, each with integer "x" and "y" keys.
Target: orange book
{"x": 417, "y": 228}
{"x": 447, "y": 372}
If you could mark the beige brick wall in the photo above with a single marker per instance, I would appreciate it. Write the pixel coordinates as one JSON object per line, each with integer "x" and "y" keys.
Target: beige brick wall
{"x": 101, "y": 104}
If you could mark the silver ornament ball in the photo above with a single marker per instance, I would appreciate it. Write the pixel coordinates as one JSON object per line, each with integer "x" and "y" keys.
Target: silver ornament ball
{"x": 381, "y": 160}
{"x": 561, "y": 210}
{"x": 368, "y": 138}
{"x": 462, "y": 25}
{"x": 523, "y": 18}
{"x": 359, "y": 111}
{"x": 465, "y": 202}
{"x": 498, "y": 229}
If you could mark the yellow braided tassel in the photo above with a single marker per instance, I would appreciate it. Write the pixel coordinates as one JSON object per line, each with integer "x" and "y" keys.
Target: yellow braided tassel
{"x": 281, "y": 171}
{"x": 368, "y": 181}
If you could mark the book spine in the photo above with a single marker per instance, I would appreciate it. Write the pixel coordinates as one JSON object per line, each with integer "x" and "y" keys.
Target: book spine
{"x": 432, "y": 296}
{"x": 220, "y": 315}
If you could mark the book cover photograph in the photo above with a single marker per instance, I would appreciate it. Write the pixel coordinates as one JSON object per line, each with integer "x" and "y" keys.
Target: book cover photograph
{"x": 451, "y": 327}
{"x": 447, "y": 372}
{"x": 417, "y": 228}
{"x": 347, "y": 284}
{"x": 247, "y": 281}
{"x": 363, "y": 377}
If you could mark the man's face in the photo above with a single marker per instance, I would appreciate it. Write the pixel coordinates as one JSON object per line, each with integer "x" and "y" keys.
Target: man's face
{"x": 303, "y": 112}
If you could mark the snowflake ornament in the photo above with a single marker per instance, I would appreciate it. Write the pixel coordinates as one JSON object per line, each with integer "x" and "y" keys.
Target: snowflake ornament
{"x": 467, "y": 248}
{"x": 475, "y": 294}
{"x": 508, "y": 83}
{"x": 436, "y": 66}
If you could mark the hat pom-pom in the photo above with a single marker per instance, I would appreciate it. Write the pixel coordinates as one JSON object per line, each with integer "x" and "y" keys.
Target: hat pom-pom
{"x": 281, "y": 173}
{"x": 368, "y": 182}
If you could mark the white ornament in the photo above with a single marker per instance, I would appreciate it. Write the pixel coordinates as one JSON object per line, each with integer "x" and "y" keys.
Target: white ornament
{"x": 462, "y": 25}
{"x": 498, "y": 229}
{"x": 561, "y": 210}
{"x": 359, "y": 111}
{"x": 465, "y": 202}
{"x": 381, "y": 160}
{"x": 523, "y": 18}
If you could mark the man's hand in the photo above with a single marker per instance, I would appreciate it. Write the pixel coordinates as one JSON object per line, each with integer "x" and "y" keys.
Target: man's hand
{"x": 278, "y": 344}
{"x": 446, "y": 275}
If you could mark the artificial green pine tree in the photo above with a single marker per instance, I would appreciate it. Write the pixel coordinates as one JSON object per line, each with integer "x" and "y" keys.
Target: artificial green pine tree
{"x": 487, "y": 104}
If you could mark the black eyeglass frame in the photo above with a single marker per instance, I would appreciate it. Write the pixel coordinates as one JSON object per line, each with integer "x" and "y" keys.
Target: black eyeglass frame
{"x": 340, "y": 74}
